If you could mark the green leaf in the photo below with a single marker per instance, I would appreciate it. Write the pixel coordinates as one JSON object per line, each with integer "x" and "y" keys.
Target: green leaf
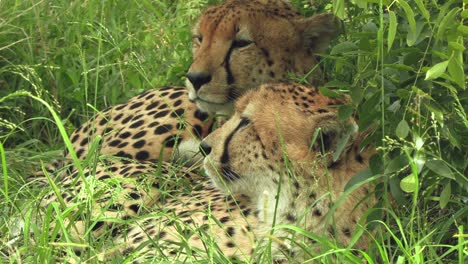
{"x": 464, "y": 14}
{"x": 402, "y": 129}
{"x": 344, "y": 47}
{"x": 361, "y": 3}
{"x": 409, "y": 184}
{"x": 392, "y": 27}
{"x": 396, "y": 164}
{"x": 358, "y": 178}
{"x": 423, "y": 9}
{"x": 345, "y": 111}
{"x": 445, "y": 195}
{"x": 327, "y": 92}
{"x": 339, "y": 8}
{"x": 456, "y": 71}
{"x": 439, "y": 167}
{"x": 463, "y": 29}
{"x": 437, "y": 70}
{"x": 411, "y": 21}
{"x": 446, "y": 21}
{"x": 456, "y": 46}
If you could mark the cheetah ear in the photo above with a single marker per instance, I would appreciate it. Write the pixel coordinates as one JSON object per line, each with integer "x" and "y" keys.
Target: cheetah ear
{"x": 335, "y": 135}
{"x": 317, "y": 31}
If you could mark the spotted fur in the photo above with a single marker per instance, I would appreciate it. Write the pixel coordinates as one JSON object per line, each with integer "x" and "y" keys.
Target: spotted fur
{"x": 159, "y": 124}
{"x": 266, "y": 170}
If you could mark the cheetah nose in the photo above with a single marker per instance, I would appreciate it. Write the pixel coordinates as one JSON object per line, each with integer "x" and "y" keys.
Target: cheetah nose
{"x": 205, "y": 149}
{"x": 198, "y": 79}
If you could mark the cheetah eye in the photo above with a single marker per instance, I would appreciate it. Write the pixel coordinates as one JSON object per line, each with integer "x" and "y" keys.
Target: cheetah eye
{"x": 198, "y": 39}
{"x": 244, "y": 122}
{"x": 240, "y": 43}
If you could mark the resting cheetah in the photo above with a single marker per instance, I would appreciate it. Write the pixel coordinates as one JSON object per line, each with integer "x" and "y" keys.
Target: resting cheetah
{"x": 266, "y": 170}
{"x": 232, "y": 53}
{"x": 240, "y": 44}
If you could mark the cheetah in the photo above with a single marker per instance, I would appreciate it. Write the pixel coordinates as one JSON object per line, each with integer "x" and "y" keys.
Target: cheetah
{"x": 232, "y": 53}
{"x": 270, "y": 165}
{"x": 240, "y": 44}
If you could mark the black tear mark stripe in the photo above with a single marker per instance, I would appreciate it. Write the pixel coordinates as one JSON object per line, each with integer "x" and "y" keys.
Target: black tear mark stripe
{"x": 230, "y": 78}
{"x": 225, "y": 156}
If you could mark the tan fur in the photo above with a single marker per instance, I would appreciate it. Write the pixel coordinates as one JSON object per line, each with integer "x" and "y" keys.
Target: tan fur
{"x": 282, "y": 41}
{"x": 273, "y": 148}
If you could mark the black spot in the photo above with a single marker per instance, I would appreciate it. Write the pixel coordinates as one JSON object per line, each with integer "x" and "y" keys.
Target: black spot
{"x": 197, "y": 130}
{"x": 123, "y": 145}
{"x": 150, "y": 96}
{"x": 75, "y": 138}
{"x": 153, "y": 124}
{"x": 84, "y": 141}
{"x": 161, "y": 114}
{"x": 321, "y": 110}
{"x": 107, "y": 130}
{"x": 104, "y": 177}
{"x": 125, "y": 135}
{"x": 246, "y": 212}
{"x": 139, "y": 144}
{"x": 123, "y": 154}
{"x": 178, "y": 113}
{"x": 201, "y": 115}
{"x": 115, "y": 142}
{"x": 291, "y": 217}
{"x": 230, "y": 244}
{"x": 103, "y": 122}
{"x": 152, "y": 105}
{"x": 98, "y": 225}
{"x": 163, "y": 129}
{"x": 331, "y": 230}
{"x": 175, "y": 95}
{"x": 137, "y": 124}
{"x": 136, "y": 105}
{"x": 312, "y": 196}
{"x": 177, "y": 103}
{"x": 139, "y": 134}
{"x": 347, "y": 232}
{"x": 224, "y": 219}
{"x": 142, "y": 155}
{"x": 137, "y": 239}
{"x": 135, "y": 208}
{"x": 117, "y": 117}
{"x": 317, "y": 212}
{"x": 120, "y": 107}
{"x": 135, "y": 196}
{"x": 170, "y": 141}
{"x": 127, "y": 119}
{"x": 230, "y": 231}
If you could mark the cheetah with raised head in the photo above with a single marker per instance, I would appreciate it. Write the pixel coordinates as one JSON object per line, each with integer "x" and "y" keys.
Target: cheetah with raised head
{"x": 240, "y": 44}
{"x": 237, "y": 45}
{"x": 266, "y": 170}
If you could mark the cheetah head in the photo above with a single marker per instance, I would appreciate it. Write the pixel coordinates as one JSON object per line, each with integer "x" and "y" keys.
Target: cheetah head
{"x": 271, "y": 126}
{"x": 240, "y": 44}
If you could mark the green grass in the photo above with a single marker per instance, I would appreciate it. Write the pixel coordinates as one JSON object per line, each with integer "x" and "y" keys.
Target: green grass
{"x": 60, "y": 60}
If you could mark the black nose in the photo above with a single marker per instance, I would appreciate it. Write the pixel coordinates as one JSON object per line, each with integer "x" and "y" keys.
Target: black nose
{"x": 198, "y": 79}
{"x": 205, "y": 149}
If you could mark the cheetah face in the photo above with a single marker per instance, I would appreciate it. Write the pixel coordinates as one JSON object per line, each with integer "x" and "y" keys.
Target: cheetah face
{"x": 270, "y": 125}
{"x": 240, "y": 44}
